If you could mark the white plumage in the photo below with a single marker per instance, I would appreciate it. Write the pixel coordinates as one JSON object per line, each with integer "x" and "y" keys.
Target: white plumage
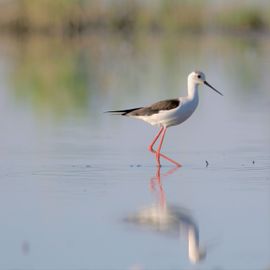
{"x": 170, "y": 112}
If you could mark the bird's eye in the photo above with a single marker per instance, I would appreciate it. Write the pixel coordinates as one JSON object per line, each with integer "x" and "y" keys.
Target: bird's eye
{"x": 199, "y": 76}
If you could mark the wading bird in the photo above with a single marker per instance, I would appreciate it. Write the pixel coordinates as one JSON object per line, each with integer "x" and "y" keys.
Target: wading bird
{"x": 171, "y": 112}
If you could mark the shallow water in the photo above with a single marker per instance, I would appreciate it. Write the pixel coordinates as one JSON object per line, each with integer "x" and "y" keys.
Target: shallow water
{"x": 75, "y": 182}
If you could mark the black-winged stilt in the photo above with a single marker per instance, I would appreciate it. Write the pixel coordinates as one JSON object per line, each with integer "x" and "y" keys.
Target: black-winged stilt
{"x": 171, "y": 112}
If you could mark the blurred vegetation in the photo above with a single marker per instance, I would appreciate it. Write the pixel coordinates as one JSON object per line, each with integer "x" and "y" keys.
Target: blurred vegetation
{"x": 77, "y": 16}
{"x": 242, "y": 19}
{"x": 62, "y": 76}
{"x": 82, "y": 76}
{"x": 51, "y": 76}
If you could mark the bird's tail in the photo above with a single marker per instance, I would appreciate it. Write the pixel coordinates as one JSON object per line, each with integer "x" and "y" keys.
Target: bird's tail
{"x": 123, "y": 112}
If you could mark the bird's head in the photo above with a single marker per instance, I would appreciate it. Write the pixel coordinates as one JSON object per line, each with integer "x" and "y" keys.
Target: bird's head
{"x": 198, "y": 77}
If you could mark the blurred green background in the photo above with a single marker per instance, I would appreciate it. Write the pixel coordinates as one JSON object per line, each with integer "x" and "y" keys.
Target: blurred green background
{"x": 77, "y": 16}
{"x": 68, "y": 57}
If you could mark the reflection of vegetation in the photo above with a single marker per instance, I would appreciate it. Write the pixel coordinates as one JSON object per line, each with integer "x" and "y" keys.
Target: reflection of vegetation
{"x": 51, "y": 76}
{"x": 71, "y": 17}
{"x": 58, "y": 76}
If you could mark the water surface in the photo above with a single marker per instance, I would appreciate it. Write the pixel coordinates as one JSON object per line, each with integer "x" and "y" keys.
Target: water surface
{"x": 72, "y": 177}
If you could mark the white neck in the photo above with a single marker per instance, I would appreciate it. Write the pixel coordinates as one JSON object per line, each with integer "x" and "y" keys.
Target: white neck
{"x": 192, "y": 89}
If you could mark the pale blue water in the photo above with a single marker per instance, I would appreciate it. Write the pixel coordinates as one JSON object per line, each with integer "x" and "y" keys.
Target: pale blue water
{"x": 70, "y": 175}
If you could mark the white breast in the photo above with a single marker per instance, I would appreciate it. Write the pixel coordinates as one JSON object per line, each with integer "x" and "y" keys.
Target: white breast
{"x": 173, "y": 117}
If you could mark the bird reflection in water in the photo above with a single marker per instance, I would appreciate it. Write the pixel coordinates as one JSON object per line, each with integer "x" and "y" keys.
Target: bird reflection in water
{"x": 170, "y": 219}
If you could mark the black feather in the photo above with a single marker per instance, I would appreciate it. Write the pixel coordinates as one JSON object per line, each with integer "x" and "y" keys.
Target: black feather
{"x": 163, "y": 105}
{"x": 123, "y": 112}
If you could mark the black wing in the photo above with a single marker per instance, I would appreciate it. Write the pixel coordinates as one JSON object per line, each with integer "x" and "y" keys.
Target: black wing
{"x": 163, "y": 105}
{"x": 124, "y": 112}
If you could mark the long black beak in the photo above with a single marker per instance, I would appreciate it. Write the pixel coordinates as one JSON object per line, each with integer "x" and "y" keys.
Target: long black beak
{"x": 206, "y": 83}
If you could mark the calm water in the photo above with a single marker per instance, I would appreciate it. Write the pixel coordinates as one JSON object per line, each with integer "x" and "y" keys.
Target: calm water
{"x": 78, "y": 188}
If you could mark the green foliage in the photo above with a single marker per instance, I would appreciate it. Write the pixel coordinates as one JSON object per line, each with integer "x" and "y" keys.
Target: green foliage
{"x": 242, "y": 19}
{"x": 51, "y": 76}
{"x": 76, "y": 16}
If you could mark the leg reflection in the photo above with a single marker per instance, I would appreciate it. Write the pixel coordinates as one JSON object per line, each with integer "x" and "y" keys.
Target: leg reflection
{"x": 156, "y": 181}
{"x": 169, "y": 219}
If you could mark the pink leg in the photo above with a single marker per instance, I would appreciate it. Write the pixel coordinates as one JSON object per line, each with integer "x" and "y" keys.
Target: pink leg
{"x": 159, "y": 147}
{"x": 158, "y": 154}
{"x": 170, "y": 160}
{"x": 150, "y": 147}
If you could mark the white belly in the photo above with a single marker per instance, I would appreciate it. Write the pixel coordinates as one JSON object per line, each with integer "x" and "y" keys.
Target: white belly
{"x": 172, "y": 117}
